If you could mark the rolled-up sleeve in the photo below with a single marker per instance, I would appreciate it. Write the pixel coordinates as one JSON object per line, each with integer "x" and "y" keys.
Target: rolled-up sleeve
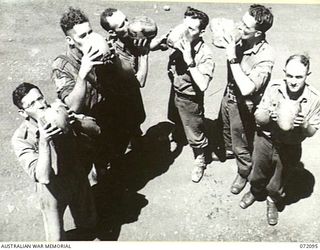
{"x": 62, "y": 78}
{"x": 261, "y": 74}
{"x": 314, "y": 116}
{"x": 27, "y": 156}
{"x": 205, "y": 63}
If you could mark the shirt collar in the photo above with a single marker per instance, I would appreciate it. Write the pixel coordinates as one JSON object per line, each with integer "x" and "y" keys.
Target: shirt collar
{"x": 198, "y": 45}
{"x": 255, "y": 49}
{"x": 284, "y": 93}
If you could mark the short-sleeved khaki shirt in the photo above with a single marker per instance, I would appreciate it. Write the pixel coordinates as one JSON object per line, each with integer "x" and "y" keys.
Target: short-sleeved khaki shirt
{"x": 310, "y": 109}
{"x": 257, "y": 64}
{"x": 182, "y": 81}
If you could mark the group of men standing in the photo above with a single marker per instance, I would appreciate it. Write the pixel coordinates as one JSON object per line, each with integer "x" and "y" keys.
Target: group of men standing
{"x": 106, "y": 110}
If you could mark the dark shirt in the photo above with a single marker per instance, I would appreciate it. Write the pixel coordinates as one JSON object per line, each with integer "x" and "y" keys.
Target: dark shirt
{"x": 64, "y": 76}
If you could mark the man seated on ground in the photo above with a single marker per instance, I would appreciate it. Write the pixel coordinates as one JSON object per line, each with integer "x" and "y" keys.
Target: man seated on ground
{"x": 277, "y": 146}
{"x": 50, "y": 157}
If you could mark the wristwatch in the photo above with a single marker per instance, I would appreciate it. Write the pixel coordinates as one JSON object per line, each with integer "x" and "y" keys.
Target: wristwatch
{"x": 234, "y": 61}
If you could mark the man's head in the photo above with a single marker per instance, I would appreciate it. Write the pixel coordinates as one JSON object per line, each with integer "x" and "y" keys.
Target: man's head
{"x": 115, "y": 21}
{"x": 76, "y": 27}
{"x": 256, "y": 21}
{"x": 296, "y": 72}
{"x": 29, "y": 100}
{"x": 196, "y": 22}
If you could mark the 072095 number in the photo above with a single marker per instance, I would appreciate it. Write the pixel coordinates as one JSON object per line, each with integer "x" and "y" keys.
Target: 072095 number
{"x": 310, "y": 246}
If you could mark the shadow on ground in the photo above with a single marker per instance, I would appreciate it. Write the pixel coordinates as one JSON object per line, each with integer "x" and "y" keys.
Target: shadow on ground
{"x": 117, "y": 198}
{"x": 215, "y": 137}
{"x": 299, "y": 185}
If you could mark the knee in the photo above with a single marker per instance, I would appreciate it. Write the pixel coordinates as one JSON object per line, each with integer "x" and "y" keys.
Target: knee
{"x": 242, "y": 152}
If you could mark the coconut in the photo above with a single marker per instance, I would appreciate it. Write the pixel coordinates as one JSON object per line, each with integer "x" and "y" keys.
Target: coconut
{"x": 287, "y": 112}
{"x": 142, "y": 27}
{"x": 177, "y": 33}
{"x": 97, "y": 42}
{"x": 221, "y": 28}
{"x": 57, "y": 116}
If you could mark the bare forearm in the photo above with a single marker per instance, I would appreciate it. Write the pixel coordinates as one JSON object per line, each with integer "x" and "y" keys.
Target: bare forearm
{"x": 309, "y": 130}
{"x": 245, "y": 85}
{"x": 200, "y": 79}
{"x": 43, "y": 169}
{"x": 143, "y": 66}
{"x": 87, "y": 125}
{"x": 76, "y": 99}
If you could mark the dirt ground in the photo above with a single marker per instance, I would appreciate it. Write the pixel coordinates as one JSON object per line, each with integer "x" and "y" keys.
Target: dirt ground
{"x": 150, "y": 196}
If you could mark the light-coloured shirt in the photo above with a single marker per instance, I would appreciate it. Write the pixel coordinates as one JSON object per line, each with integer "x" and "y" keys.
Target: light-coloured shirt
{"x": 257, "y": 64}
{"x": 182, "y": 80}
{"x": 309, "y": 108}
{"x": 65, "y": 150}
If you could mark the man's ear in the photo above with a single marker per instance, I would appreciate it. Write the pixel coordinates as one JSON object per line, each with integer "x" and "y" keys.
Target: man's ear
{"x": 23, "y": 113}
{"x": 69, "y": 40}
{"x": 258, "y": 33}
{"x": 202, "y": 32}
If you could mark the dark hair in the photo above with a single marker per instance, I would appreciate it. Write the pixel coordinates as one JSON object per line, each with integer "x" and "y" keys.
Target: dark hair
{"x": 304, "y": 59}
{"x": 198, "y": 14}
{"x": 263, "y": 17}
{"x": 103, "y": 18}
{"x": 21, "y": 91}
{"x": 71, "y": 18}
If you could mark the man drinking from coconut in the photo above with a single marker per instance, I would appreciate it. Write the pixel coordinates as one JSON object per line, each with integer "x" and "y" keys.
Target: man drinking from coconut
{"x": 277, "y": 147}
{"x": 191, "y": 69}
{"x": 96, "y": 87}
{"x": 133, "y": 52}
{"x": 130, "y": 46}
{"x": 250, "y": 62}
{"x": 74, "y": 75}
{"x": 46, "y": 146}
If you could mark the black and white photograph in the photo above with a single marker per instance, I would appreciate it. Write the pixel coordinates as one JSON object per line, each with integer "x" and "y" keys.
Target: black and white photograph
{"x": 145, "y": 121}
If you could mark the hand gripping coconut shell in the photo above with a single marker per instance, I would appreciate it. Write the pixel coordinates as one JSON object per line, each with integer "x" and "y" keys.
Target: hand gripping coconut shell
{"x": 97, "y": 42}
{"x": 57, "y": 115}
{"x": 223, "y": 27}
{"x": 287, "y": 112}
{"x": 176, "y": 34}
{"x": 142, "y": 27}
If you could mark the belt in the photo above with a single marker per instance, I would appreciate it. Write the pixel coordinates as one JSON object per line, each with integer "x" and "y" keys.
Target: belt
{"x": 188, "y": 97}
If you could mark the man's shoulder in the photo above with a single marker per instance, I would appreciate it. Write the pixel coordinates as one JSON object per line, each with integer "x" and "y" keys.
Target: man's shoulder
{"x": 64, "y": 62}
{"x": 313, "y": 91}
{"x": 205, "y": 49}
{"x": 267, "y": 52}
{"x": 20, "y": 133}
